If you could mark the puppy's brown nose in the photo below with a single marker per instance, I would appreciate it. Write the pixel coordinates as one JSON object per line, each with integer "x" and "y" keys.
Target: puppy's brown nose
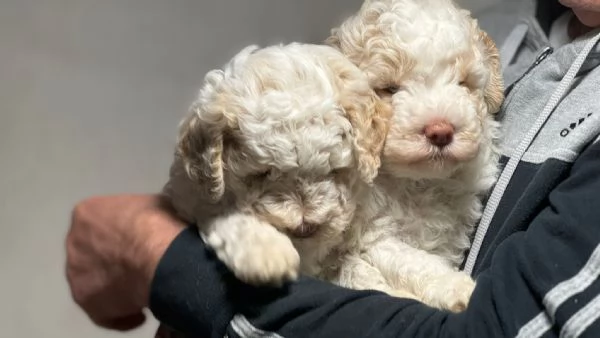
{"x": 439, "y": 133}
{"x": 305, "y": 230}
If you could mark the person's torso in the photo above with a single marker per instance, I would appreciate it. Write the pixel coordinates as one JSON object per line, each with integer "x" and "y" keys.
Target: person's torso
{"x": 532, "y": 78}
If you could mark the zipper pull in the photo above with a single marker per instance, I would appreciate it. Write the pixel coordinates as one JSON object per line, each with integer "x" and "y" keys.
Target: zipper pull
{"x": 541, "y": 57}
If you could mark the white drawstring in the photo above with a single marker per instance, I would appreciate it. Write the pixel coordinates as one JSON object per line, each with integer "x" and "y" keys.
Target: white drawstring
{"x": 494, "y": 200}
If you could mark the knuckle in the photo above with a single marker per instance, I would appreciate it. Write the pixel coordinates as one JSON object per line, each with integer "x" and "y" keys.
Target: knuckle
{"x": 80, "y": 214}
{"x": 76, "y": 293}
{"x": 79, "y": 210}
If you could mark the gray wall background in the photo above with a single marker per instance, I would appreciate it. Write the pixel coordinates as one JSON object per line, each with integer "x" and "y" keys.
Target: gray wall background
{"x": 91, "y": 92}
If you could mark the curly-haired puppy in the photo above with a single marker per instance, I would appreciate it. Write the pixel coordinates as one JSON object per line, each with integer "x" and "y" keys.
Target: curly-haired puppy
{"x": 273, "y": 156}
{"x": 440, "y": 73}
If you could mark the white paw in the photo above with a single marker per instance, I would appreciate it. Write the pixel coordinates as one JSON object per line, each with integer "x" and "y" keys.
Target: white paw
{"x": 257, "y": 253}
{"x": 455, "y": 292}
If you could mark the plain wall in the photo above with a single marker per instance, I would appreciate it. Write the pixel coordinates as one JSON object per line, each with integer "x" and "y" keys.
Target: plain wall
{"x": 91, "y": 92}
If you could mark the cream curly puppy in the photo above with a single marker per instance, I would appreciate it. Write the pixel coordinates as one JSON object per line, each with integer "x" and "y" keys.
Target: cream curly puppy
{"x": 440, "y": 72}
{"x": 273, "y": 157}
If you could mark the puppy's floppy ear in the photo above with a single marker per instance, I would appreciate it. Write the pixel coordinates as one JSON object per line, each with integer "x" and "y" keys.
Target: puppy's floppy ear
{"x": 494, "y": 90}
{"x": 200, "y": 148}
{"x": 369, "y": 117}
{"x": 200, "y": 145}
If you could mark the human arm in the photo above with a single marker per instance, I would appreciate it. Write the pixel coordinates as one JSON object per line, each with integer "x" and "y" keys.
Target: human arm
{"x": 541, "y": 281}
{"x": 112, "y": 249}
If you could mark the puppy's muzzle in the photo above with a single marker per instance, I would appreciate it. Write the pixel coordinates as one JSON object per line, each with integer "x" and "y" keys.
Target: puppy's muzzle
{"x": 305, "y": 230}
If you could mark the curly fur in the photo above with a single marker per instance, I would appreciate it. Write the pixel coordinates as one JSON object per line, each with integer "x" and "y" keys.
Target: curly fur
{"x": 430, "y": 61}
{"x": 275, "y": 150}
{"x": 278, "y": 160}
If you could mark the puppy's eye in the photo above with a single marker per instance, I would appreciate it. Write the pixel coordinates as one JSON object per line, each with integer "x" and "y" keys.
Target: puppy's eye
{"x": 270, "y": 175}
{"x": 263, "y": 174}
{"x": 335, "y": 172}
{"x": 466, "y": 82}
{"x": 389, "y": 90}
{"x": 392, "y": 89}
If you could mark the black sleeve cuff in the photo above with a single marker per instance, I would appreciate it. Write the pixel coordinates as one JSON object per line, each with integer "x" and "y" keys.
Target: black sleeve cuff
{"x": 189, "y": 292}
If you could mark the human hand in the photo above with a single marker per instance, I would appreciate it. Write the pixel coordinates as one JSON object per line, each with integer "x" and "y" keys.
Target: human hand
{"x": 113, "y": 248}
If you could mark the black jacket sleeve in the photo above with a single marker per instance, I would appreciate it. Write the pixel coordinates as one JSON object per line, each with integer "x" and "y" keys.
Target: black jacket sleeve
{"x": 541, "y": 282}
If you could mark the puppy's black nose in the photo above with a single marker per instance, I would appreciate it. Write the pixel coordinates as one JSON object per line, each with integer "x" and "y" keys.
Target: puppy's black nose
{"x": 439, "y": 133}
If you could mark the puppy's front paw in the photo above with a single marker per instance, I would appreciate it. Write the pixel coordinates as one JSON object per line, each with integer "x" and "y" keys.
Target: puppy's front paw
{"x": 257, "y": 253}
{"x": 267, "y": 257}
{"x": 456, "y": 291}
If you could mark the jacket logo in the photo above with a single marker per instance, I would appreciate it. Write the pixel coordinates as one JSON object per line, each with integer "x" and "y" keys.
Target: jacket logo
{"x": 573, "y": 125}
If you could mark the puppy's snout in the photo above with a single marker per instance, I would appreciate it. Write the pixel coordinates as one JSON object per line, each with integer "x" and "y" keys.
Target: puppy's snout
{"x": 439, "y": 133}
{"x": 305, "y": 230}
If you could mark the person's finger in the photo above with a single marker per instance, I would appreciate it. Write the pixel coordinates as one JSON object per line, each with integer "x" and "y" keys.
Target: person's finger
{"x": 124, "y": 323}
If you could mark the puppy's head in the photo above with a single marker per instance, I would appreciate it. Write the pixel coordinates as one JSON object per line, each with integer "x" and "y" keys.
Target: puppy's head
{"x": 287, "y": 133}
{"x": 439, "y": 71}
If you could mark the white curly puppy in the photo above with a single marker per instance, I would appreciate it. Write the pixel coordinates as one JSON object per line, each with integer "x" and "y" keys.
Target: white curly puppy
{"x": 440, "y": 72}
{"x": 279, "y": 146}
{"x": 273, "y": 156}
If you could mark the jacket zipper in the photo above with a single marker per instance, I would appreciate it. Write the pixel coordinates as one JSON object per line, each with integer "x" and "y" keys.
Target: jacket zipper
{"x": 541, "y": 57}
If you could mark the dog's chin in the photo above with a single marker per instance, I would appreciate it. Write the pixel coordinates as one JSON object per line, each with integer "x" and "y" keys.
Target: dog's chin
{"x": 426, "y": 162}
{"x": 428, "y": 169}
